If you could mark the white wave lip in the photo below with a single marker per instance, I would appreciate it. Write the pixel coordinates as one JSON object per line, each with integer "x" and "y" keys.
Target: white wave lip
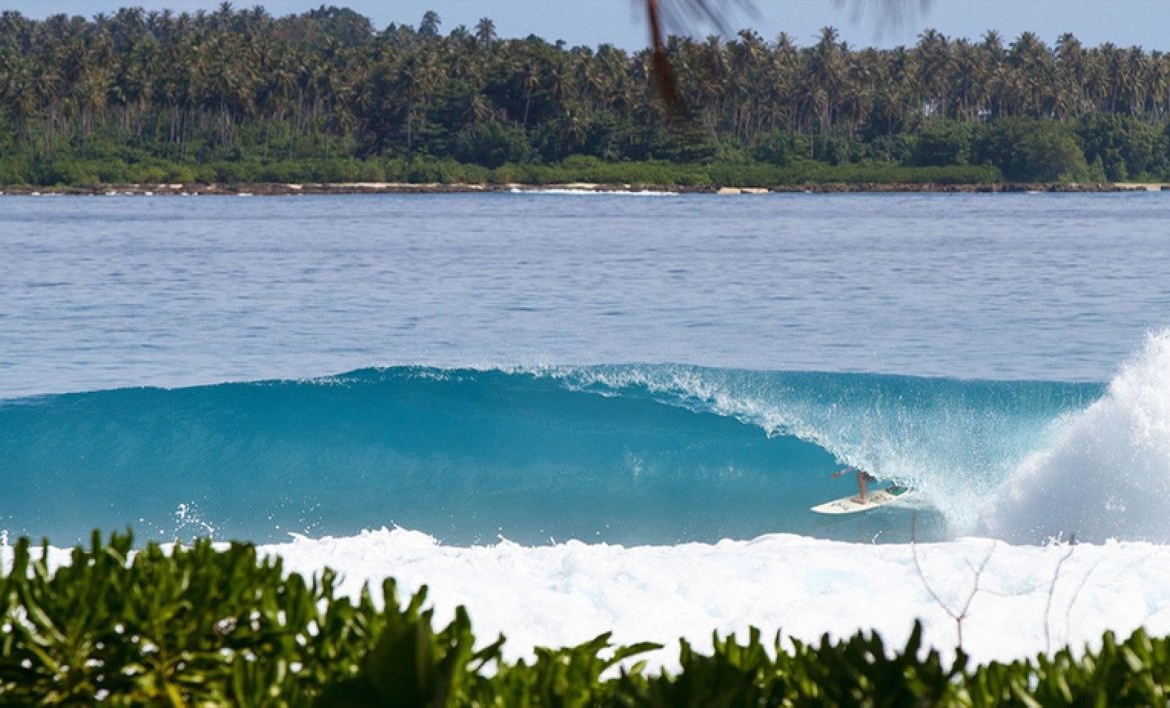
{"x": 1107, "y": 473}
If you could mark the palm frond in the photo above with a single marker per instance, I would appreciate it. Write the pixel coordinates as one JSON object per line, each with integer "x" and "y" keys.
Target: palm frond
{"x": 678, "y": 15}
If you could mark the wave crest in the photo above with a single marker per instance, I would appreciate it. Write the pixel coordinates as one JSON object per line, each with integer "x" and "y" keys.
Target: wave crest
{"x": 1106, "y": 474}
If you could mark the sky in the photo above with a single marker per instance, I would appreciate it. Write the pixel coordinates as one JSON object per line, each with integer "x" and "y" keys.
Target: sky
{"x": 622, "y": 22}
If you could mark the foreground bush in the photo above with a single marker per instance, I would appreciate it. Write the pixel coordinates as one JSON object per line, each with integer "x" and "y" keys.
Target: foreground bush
{"x": 200, "y": 626}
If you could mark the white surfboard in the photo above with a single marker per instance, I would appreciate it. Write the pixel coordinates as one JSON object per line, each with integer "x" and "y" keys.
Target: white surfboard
{"x": 850, "y": 504}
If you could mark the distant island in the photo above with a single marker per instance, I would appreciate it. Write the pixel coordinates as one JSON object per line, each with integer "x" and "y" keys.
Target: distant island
{"x": 324, "y": 101}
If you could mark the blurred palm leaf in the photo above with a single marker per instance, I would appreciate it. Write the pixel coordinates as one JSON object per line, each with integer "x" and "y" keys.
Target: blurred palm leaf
{"x": 664, "y": 15}
{"x": 674, "y": 14}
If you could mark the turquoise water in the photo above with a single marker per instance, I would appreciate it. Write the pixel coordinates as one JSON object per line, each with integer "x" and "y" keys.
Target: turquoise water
{"x": 616, "y": 454}
{"x": 608, "y": 368}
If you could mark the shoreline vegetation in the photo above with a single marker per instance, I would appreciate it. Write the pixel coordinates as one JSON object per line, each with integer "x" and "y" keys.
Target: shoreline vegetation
{"x": 216, "y": 624}
{"x": 248, "y": 102}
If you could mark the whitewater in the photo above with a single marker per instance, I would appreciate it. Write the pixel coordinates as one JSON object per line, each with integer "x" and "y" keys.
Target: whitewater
{"x": 576, "y": 413}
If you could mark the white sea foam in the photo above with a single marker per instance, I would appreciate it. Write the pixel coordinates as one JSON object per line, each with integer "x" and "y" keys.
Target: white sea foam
{"x": 572, "y": 192}
{"x": 1026, "y": 599}
{"x": 1014, "y": 600}
{"x": 1107, "y": 474}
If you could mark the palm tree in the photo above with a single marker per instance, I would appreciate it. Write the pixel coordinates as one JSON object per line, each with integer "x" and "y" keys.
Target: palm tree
{"x": 999, "y": 81}
{"x": 825, "y": 71}
{"x": 182, "y": 85}
{"x": 1070, "y": 77}
{"x": 660, "y": 13}
{"x": 968, "y": 82}
{"x": 785, "y": 83}
{"x": 485, "y": 32}
{"x": 934, "y": 67}
{"x": 1032, "y": 65}
{"x": 429, "y": 27}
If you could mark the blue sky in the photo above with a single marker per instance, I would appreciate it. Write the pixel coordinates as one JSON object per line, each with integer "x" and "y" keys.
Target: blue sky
{"x": 620, "y": 22}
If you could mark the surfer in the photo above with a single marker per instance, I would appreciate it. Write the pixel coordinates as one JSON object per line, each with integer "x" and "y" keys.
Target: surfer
{"x": 863, "y": 479}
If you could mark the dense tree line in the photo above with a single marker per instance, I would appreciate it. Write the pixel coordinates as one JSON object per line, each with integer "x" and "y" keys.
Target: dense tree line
{"x": 171, "y": 94}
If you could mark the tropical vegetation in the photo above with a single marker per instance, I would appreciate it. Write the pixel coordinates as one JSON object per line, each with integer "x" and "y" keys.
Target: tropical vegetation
{"x": 241, "y": 95}
{"x": 208, "y": 625}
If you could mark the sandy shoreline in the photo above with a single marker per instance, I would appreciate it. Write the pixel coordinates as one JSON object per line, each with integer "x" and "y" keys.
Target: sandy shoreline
{"x": 288, "y": 189}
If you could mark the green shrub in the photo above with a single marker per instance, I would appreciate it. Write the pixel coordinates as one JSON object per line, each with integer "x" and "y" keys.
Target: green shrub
{"x": 191, "y": 626}
{"x": 1031, "y": 151}
{"x": 943, "y": 143}
{"x": 1123, "y": 147}
{"x": 15, "y": 170}
{"x": 204, "y": 625}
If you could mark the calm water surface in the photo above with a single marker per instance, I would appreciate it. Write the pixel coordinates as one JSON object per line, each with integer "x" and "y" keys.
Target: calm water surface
{"x": 103, "y": 292}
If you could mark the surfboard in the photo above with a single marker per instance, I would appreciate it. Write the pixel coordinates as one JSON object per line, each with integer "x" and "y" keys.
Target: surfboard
{"x": 850, "y": 505}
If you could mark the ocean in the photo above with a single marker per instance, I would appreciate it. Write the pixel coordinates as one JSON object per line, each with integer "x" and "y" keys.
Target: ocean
{"x": 578, "y": 412}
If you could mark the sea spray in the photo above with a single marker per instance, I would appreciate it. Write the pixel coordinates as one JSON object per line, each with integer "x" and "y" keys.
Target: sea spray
{"x": 1106, "y": 473}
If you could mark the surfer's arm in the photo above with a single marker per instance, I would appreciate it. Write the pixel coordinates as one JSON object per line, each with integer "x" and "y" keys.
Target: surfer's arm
{"x": 843, "y": 470}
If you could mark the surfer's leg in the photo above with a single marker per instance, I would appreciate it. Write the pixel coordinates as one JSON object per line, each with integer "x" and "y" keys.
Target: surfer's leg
{"x": 862, "y": 480}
